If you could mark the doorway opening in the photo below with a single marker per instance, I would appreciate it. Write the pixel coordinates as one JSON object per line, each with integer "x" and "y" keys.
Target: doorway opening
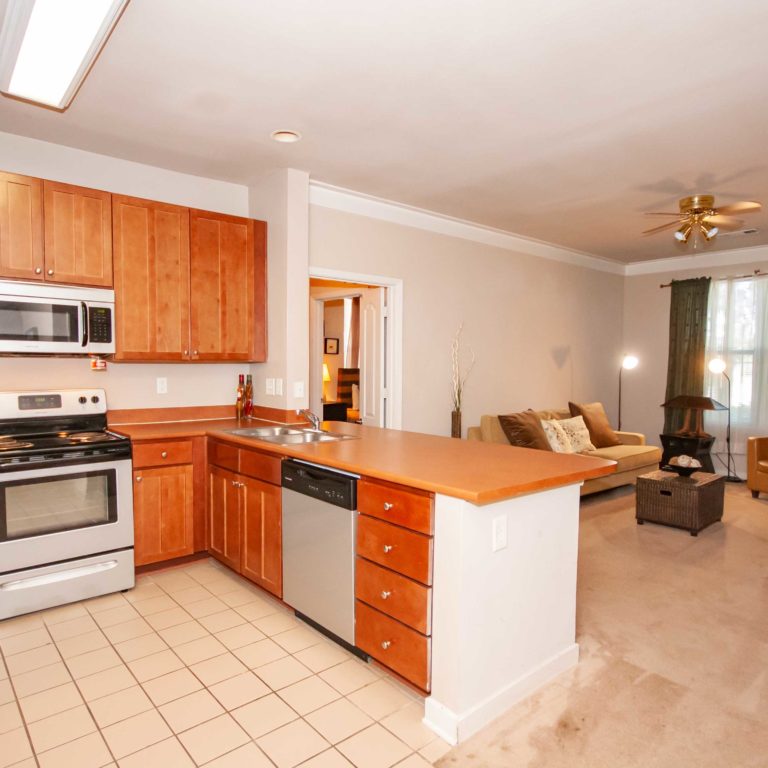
{"x": 355, "y": 342}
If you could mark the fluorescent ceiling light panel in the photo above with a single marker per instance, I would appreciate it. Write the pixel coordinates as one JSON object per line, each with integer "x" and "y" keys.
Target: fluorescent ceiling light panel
{"x": 48, "y": 46}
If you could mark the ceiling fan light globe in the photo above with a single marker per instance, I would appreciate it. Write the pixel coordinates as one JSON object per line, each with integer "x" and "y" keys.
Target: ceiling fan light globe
{"x": 683, "y": 233}
{"x": 709, "y": 232}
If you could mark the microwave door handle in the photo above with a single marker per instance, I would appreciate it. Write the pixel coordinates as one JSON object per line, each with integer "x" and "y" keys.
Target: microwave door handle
{"x": 84, "y": 314}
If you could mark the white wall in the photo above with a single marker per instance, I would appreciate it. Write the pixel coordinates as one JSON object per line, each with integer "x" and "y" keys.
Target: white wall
{"x": 128, "y": 385}
{"x": 646, "y": 329}
{"x": 543, "y": 331}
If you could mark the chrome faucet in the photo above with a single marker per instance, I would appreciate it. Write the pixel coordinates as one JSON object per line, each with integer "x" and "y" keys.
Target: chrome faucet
{"x": 311, "y": 417}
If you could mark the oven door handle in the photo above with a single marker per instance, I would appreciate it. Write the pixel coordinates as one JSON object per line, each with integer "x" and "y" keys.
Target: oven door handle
{"x": 84, "y": 313}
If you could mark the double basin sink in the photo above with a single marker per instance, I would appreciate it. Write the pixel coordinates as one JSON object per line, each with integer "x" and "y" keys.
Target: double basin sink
{"x": 289, "y": 435}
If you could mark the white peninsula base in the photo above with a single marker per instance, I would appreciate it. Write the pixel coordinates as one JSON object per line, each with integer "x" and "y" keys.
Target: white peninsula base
{"x": 504, "y": 604}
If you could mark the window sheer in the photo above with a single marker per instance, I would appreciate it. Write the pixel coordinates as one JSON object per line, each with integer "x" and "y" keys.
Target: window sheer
{"x": 737, "y": 332}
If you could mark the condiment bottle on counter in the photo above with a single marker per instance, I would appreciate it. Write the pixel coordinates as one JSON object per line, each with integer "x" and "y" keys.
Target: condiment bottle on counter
{"x": 240, "y": 401}
{"x": 248, "y": 406}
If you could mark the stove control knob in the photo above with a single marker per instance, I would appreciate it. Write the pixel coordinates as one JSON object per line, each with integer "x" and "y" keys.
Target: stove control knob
{"x": 82, "y": 399}
{"x": 95, "y": 399}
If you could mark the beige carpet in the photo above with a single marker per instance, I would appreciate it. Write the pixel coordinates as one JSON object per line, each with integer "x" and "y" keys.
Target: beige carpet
{"x": 674, "y": 650}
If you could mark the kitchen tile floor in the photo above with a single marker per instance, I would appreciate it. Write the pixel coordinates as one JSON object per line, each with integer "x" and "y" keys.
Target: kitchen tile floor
{"x": 196, "y": 667}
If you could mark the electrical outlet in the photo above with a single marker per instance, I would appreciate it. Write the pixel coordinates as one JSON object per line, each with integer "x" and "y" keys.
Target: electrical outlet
{"x": 162, "y": 385}
{"x": 298, "y": 389}
{"x": 499, "y": 533}
{"x": 278, "y": 386}
{"x": 270, "y": 386}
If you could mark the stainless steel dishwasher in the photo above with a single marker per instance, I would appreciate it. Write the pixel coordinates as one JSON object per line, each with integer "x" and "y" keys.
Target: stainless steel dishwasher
{"x": 319, "y": 528}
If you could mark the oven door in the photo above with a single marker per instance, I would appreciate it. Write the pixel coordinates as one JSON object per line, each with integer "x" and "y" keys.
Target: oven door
{"x": 52, "y": 514}
{"x": 42, "y": 325}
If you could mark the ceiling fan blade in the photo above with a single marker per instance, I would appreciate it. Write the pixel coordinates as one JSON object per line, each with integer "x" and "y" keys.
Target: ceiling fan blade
{"x": 668, "y": 225}
{"x": 745, "y": 206}
{"x": 658, "y": 213}
{"x": 724, "y": 222}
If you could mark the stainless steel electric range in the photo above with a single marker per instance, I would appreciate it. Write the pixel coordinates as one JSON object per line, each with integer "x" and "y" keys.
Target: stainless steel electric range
{"x": 66, "y": 501}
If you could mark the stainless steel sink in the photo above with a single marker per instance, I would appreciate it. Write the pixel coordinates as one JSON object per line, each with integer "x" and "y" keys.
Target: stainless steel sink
{"x": 290, "y": 435}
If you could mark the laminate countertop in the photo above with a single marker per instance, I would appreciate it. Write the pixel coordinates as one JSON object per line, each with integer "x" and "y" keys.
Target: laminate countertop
{"x": 471, "y": 470}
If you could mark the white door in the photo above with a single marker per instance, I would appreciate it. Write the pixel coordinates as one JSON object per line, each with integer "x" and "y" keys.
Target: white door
{"x": 372, "y": 344}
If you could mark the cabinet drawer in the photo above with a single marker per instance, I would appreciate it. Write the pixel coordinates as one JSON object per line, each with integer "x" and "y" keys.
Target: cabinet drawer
{"x": 401, "y": 550}
{"x": 262, "y": 466}
{"x": 398, "y": 647}
{"x": 396, "y": 504}
{"x": 163, "y": 453}
{"x": 395, "y": 595}
{"x": 224, "y": 455}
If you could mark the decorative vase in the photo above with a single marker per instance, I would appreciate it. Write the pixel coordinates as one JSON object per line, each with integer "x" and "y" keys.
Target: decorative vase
{"x": 455, "y": 423}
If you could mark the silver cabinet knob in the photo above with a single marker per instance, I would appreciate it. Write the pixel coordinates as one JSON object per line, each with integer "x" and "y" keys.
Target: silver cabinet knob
{"x": 387, "y": 548}
{"x": 388, "y": 506}
{"x": 138, "y": 479}
{"x": 164, "y": 454}
{"x": 385, "y": 594}
{"x": 50, "y": 271}
{"x": 385, "y": 644}
{"x": 38, "y": 270}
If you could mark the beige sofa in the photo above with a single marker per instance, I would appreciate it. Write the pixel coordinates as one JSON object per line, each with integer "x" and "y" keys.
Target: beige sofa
{"x": 633, "y": 456}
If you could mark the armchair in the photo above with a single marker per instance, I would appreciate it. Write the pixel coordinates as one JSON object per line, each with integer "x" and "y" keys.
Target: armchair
{"x": 757, "y": 465}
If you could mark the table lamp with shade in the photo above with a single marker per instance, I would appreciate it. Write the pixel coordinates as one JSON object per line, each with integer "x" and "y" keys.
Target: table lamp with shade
{"x": 326, "y": 379}
{"x": 717, "y": 365}
{"x": 628, "y": 363}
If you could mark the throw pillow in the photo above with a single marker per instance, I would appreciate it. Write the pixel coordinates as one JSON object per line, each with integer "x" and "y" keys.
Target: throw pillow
{"x": 524, "y": 430}
{"x": 558, "y": 439}
{"x": 577, "y": 433}
{"x": 600, "y": 432}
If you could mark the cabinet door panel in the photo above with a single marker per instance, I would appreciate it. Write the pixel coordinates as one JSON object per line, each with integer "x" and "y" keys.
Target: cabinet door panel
{"x": 151, "y": 263}
{"x": 78, "y": 234}
{"x": 262, "y": 535}
{"x": 224, "y": 511}
{"x": 222, "y": 283}
{"x": 162, "y": 503}
{"x": 21, "y": 227}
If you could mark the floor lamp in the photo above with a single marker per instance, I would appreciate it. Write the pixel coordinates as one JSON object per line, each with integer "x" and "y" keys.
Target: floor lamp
{"x": 718, "y": 366}
{"x": 629, "y": 362}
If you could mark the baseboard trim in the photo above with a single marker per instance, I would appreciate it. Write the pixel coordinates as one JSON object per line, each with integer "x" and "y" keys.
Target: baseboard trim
{"x": 456, "y": 727}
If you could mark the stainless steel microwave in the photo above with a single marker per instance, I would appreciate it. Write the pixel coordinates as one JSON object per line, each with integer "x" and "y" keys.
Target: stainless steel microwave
{"x": 36, "y": 318}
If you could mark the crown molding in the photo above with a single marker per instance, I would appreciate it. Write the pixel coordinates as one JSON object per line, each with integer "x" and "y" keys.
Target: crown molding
{"x": 699, "y": 261}
{"x": 337, "y": 198}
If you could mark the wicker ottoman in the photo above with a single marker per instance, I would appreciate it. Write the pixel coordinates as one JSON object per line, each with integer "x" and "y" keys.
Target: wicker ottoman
{"x": 691, "y": 503}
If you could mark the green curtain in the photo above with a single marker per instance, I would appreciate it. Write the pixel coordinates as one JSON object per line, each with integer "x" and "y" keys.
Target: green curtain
{"x": 687, "y": 337}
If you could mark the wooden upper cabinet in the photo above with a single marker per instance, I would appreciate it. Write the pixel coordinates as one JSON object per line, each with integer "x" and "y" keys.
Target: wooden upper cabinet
{"x": 228, "y": 287}
{"x": 151, "y": 273}
{"x": 78, "y": 235}
{"x": 21, "y": 227}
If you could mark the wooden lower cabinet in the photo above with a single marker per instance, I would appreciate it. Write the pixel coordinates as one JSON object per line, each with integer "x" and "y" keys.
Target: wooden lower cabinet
{"x": 162, "y": 508}
{"x": 262, "y": 534}
{"x": 224, "y": 515}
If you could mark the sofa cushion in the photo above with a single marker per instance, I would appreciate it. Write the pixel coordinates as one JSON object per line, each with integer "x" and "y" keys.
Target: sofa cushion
{"x": 629, "y": 456}
{"x": 556, "y": 435}
{"x": 595, "y": 418}
{"x": 524, "y": 430}
{"x": 577, "y": 433}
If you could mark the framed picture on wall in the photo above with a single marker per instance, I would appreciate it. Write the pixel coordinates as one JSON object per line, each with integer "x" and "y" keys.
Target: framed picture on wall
{"x": 331, "y": 346}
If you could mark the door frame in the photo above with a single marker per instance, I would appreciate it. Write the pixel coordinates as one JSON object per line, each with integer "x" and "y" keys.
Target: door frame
{"x": 393, "y": 349}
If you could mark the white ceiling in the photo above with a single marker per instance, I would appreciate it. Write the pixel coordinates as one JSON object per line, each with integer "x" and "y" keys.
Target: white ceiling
{"x": 559, "y": 120}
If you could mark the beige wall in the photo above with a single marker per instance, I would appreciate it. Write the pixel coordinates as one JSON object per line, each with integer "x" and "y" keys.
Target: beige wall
{"x": 646, "y": 334}
{"x": 127, "y": 385}
{"x": 543, "y": 331}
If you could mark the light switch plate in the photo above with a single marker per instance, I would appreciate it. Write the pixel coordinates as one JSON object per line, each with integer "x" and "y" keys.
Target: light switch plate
{"x": 499, "y": 533}
{"x": 270, "y": 386}
{"x": 298, "y": 389}
{"x": 278, "y": 386}
{"x": 162, "y": 385}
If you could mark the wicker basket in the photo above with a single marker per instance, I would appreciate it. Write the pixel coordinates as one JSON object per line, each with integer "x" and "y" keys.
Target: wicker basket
{"x": 691, "y": 503}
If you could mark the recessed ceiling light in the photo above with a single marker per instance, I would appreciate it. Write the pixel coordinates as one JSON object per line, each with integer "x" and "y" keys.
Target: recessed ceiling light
{"x": 286, "y": 137}
{"x": 47, "y": 46}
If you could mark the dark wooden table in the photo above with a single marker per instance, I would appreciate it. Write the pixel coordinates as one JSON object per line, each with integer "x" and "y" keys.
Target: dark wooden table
{"x": 698, "y": 447}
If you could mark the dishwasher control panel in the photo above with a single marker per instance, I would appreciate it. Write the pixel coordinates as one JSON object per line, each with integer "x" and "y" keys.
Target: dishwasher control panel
{"x": 319, "y": 483}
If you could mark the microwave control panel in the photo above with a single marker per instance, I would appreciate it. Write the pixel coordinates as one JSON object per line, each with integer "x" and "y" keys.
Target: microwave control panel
{"x": 100, "y": 325}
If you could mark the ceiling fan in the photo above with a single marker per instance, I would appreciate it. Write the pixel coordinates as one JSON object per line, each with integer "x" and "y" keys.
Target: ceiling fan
{"x": 698, "y": 215}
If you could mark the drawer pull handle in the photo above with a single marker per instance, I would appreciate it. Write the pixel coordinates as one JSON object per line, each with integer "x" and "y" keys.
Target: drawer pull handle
{"x": 388, "y": 506}
{"x": 386, "y": 644}
{"x": 138, "y": 479}
{"x": 164, "y": 454}
{"x": 385, "y": 594}
{"x": 387, "y": 548}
